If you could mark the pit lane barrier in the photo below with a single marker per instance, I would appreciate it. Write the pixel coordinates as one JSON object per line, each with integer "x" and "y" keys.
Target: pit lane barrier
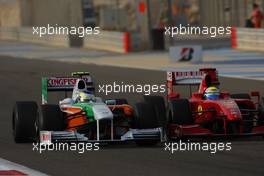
{"x": 247, "y": 39}
{"x": 205, "y": 41}
{"x": 25, "y": 34}
{"x": 121, "y": 42}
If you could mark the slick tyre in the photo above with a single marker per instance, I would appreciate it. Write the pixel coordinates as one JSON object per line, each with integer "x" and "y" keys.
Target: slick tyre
{"x": 24, "y": 121}
{"x": 159, "y": 105}
{"x": 233, "y": 128}
{"x": 261, "y": 112}
{"x": 248, "y": 124}
{"x": 180, "y": 112}
{"x": 50, "y": 118}
{"x": 145, "y": 118}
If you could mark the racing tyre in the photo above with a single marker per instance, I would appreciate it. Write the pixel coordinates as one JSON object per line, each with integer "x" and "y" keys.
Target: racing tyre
{"x": 180, "y": 112}
{"x": 261, "y": 113}
{"x": 159, "y": 104}
{"x": 248, "y": 124}
{"x": 23, "y": 121}
{"x": 145, "y": 118}
{"x": 233, "y": 127}
{"x": 241, "y": 96}
{"x": 147, "y": 143}
{"x": 50, "y": 118}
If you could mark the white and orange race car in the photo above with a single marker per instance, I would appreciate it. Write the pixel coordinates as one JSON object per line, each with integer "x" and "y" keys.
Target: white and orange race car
{"x": 87, "y": 121}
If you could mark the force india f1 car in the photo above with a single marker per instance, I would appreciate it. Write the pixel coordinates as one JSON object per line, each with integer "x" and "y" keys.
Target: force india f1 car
{"x": 72, "y": 121}
{"x": 229, "y": 115}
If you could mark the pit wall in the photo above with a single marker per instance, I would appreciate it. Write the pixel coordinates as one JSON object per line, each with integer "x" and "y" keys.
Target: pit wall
{"x": 25, "y": 34}
{"x": 248, "y": 39}
{"x": 10, "y": 13}
{"x": 120, "y": 42}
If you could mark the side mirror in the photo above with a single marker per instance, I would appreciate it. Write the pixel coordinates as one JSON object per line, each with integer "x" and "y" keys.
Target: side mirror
{"x": 256, "y": 94}
{"x": 110, "y": 102}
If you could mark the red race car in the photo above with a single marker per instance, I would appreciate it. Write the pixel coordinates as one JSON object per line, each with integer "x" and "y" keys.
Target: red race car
{"x": 208, "y": 112}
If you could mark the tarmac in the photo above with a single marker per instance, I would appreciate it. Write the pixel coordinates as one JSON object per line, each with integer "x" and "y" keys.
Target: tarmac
{"x": 21, "y": 80}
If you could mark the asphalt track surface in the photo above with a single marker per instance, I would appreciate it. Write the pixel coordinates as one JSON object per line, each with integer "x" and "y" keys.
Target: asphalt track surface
{"x": 20, "y": 80}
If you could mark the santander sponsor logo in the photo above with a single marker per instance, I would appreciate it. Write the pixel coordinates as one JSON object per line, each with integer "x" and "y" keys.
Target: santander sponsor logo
{"x": 189, "y": 74}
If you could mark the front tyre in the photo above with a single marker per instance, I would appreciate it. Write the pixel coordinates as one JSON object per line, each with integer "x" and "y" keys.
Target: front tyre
{"x": 147, "y": 143}
{"x": 233, "y": 127}
{"x": 145, "y": 118}
{"x": 261, "y": 112}
{"x": 50, "y": 118}
{"x": 23, "y": 121}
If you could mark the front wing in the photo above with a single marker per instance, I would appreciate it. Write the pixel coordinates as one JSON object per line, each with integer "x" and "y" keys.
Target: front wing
{"x": 178, "y": 131}
{"x": 48, "y": 137}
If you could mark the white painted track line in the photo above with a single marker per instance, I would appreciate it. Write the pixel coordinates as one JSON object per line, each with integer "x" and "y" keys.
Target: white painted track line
{"x": 8, "y": 165}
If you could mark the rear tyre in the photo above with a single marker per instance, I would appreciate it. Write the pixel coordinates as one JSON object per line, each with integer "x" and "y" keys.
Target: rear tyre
{"x": 50, "y": 118}
{"x": 147, "y": 143}
{"x": 23, "y": 121}
{"x": 180, "y": 112}
{"x": 261, "y": 113}
{"x": 159, "y": 105}
{"x": 145, "y": 118}
{"x": 248, "y": 123}
{"x": 233, "y": 127}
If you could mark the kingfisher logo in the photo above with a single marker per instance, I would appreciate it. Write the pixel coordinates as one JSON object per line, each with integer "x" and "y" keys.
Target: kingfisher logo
{"x": 65, "y": 82}
{"x": 61, "y": 82}
{"x": 186, "y": 54}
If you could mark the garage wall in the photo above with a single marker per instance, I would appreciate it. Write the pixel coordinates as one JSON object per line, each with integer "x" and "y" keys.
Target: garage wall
{"x": 40, "y": 12}
{"x": 70, "y": 12}
{"x": 10, "y": 13}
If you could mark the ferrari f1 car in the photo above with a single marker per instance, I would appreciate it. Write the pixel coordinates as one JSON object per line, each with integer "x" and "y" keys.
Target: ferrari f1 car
{"x": 71, "y": 120}
{"x": 226, "y": 115}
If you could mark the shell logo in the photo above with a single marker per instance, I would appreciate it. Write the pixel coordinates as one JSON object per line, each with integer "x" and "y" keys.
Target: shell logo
{"x": 200, "y": 110}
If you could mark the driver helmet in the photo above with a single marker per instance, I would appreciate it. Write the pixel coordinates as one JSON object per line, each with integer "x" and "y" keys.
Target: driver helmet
{"x": 212, "y": 93}
{"x": 86, "y": 96}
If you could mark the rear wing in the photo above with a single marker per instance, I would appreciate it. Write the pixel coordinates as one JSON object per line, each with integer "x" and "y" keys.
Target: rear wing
{"x": 203, "y": 78}
{"x": 64, "y": 84}
{"x": 185, "y": 78}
